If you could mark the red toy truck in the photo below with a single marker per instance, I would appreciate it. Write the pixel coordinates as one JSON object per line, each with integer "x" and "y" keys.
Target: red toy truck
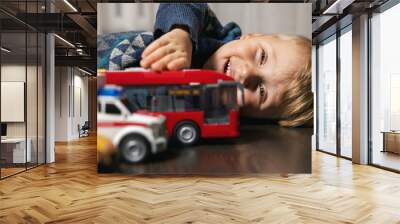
{"x": 196, "y": 103}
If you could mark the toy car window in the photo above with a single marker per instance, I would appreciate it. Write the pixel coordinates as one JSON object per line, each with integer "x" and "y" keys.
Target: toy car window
{"x": 160, "y": 103}
{"x": 216, "y": 103}
{"x": 138, "y": 96}
{"x": 129, "y": 105}
{"x": 112, "y": 109}
{"x": 185, "y": 98}
{"x": 229, "y": 97}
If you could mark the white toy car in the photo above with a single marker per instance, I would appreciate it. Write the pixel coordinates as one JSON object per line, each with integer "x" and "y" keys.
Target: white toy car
{"x": 135, "y": 134}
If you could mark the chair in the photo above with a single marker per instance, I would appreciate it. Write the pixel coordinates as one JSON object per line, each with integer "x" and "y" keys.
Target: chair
{"x": 84, "y": 130}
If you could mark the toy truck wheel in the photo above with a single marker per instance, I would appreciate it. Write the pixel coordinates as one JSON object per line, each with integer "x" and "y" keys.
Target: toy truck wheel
{"x": 133, "y": 149}
{"x": 187, "y": 133}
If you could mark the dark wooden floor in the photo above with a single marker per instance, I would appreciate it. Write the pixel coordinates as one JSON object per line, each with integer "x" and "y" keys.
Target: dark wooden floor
{"x": 260, "y": 149}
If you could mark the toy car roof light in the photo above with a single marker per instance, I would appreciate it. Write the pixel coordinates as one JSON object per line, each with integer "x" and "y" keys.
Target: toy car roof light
{"x": 110, "y": 90}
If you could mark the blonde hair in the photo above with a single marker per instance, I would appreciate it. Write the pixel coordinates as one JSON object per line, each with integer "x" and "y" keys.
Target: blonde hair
{"x": 298, "y": 100}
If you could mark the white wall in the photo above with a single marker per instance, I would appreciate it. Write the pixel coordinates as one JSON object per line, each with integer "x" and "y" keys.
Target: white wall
{"x": 121, "y": 17}
{"x": 12, "y": 100}
{"x": 290, "y": 18}
{"x": 12, "y": 73}
{"x": 71, "y": 96}
{"x": 61, "y": 103}
{"x": 33, "y": 126}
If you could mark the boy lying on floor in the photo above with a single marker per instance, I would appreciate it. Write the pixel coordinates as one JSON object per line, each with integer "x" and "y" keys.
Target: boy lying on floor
{"x": 275, "y": 70}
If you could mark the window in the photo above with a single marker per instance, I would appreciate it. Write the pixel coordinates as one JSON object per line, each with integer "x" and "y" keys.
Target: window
{"x": 185, "y": 98}
{"x": 229, "y": 97}
{"x": 165, "y": 98}
{"x": 327, "y": 95}
{"x": 130, "y": 106}
{"x": 22, "y": 63}
{"x": 112, "y": 109}
{"x": 139, "y": 96}
{"x": 179, "y": 102}
{"x": 346, "y": 93}
{"x": 160, "y": 103}
{"x": 385, "y": 89}
{"x": 334, "y": 58}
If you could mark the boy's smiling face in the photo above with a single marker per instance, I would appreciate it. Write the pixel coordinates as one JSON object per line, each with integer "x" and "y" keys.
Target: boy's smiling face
{"x": 265, "y": 65}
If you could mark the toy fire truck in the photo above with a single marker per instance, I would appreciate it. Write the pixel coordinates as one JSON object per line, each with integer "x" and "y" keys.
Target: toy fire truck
{"x": 134, "y": 134}
{"x": 196, "y": 103}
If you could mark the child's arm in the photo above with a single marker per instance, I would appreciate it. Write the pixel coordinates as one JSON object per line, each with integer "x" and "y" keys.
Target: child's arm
{"x": 178, "y": 26}
{"x": 193, "y": 17}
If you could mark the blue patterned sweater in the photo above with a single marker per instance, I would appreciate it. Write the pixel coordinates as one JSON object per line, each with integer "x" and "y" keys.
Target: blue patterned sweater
{"x": 118, "y": 51}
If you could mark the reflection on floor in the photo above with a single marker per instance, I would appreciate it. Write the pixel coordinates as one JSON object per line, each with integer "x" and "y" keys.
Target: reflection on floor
{"x": 71, "y": 191}
{"x": 260, "y": 149}
{"x": 387, "y": 159}
{"x": 10, "y": 169}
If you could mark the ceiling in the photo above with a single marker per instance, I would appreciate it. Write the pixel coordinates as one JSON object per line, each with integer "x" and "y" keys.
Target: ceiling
{"x": 331, "y": 15}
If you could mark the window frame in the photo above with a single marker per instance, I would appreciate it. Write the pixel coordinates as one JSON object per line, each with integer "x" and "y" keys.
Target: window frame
{"x": 115, "y": 105}
{"x": 379, "y": 10}
{"x": 333, "y": 37}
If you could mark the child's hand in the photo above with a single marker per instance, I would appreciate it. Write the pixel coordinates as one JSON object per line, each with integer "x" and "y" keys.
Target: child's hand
{"x": 172, "y": 51}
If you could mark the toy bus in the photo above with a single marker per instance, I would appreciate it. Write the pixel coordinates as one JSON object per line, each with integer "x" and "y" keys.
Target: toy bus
{"x": 134, "y": 134}
{"x": 196, "y": 103}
